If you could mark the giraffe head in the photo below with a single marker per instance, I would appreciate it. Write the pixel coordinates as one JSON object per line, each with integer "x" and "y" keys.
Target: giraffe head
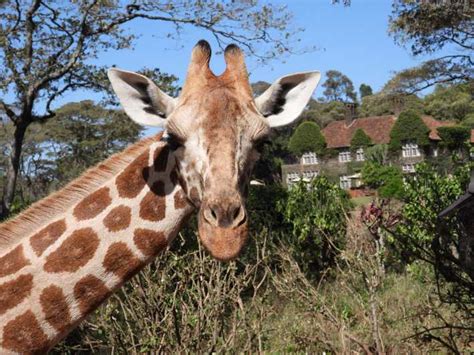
{"x": 216, "y": 128}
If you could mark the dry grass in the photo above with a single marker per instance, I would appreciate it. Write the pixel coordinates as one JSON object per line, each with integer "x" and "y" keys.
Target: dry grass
{"x": 188, "y": 302}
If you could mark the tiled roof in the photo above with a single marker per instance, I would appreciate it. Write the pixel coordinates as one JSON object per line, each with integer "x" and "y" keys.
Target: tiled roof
{"x": 434, "y": 124}
{"x": 339, "y": 135}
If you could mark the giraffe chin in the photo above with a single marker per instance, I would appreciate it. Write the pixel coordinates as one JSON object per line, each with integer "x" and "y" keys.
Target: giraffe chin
{"x": 224, "y": 244}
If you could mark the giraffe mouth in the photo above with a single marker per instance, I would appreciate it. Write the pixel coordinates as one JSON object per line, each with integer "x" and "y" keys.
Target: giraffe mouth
{"x": 223, "y": 243}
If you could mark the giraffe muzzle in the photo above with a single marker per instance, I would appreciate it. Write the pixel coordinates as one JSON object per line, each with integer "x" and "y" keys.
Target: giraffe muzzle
{"x": 223, "y": 229}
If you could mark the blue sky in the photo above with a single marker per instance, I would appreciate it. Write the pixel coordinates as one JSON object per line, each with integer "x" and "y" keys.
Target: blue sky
{"x": 353, "y": 40}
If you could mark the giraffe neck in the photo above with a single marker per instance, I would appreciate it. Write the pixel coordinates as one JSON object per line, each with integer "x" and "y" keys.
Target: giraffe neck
{"x": 54, "y": 277}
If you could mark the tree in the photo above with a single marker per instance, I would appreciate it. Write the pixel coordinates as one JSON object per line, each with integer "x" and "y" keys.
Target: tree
{"x": 324, "y": 113}
{"x": 383, "y": 103}
{"x": 454, "y": 137}
{"x": 388, "y": 180}
{"x": 408, "y": 127}
{"x": 360, "y": 139}
{"x": 78, "y": 137}
{"x": 428, "y": 27}
{"x": 317, "y": 212}
{"x": 365, "y": 90}
{"x": 338, "y": 87}
{"x": 46, "y": 50}
{"x": 453, "y": 102}
{"x": 307, "y": 138}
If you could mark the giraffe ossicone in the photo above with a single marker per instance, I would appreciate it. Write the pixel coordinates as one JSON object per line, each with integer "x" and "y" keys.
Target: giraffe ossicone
{"x": 68, "y": 252}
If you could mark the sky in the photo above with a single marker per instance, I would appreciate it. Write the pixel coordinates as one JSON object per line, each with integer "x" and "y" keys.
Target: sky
{"x": 353, "y": 40}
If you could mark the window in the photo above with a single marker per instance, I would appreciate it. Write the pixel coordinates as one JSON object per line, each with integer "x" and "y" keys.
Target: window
{"x": 435, "y": 152}
{"x": 360, "y": 154}
{"x": 410, "y": 149}
{"x": 310, "y": 174}
{"x": 291, "y": 177}
{"x": 344, "y": 182}
{"x": 309, "y": 158}
{"x": 408, "y": 168}
{"x": 345, "y": 156}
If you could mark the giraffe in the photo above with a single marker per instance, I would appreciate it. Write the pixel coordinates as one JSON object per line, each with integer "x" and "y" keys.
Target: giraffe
{"x": 66, "y": 254}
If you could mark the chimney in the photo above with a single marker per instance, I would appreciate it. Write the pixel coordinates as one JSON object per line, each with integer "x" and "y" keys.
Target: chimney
{"x": 398, "y": 103}
{"x": 350, "y": 112}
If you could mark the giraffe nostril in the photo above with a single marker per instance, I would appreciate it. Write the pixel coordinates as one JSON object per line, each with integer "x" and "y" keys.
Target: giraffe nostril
{"x": 236, "y": 213}
{"x": 213, "y": 213}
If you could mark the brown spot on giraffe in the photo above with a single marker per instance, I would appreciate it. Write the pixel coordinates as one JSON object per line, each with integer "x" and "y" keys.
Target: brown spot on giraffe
{"x": 194, "y": 195}
{"x": 121, "y": 261}
{"x": 55, "y": 308}
{"x": 118, "y": 219}
{"x": 89, "y": 293}
{"x": 24, "y": 335}
{"x": 180, "y": 200}
{"x": 74, "y": 252}
{"x": 13, "y": 261}
{"x": 149, "y": 242}
{"x": 47, "y": 236}
{"x": 133, "y": 179}
{"x": 153, "y": 207}
{"x": 161, "y": 159}
{"x": 13, "y": 292}
{"x": 93, "y": 204}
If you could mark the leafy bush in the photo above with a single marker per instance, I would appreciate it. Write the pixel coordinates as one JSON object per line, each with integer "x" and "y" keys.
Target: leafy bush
{"x": 452, "y": 102}
{"x": 307, "y": 138}
{"x": 408, "y": 126}
{"x": 388, "y": 180}
{"x": 360, "y": 139}
{"x": 317, "y": 213}
{"x": 454, "y": 137}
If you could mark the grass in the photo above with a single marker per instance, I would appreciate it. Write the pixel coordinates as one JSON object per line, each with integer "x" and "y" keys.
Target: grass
{"x": 362, "y": 201}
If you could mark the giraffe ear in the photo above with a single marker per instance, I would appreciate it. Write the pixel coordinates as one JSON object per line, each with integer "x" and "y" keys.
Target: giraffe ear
{"x": 141, "y": 99}
{"x": 286, "y": 98}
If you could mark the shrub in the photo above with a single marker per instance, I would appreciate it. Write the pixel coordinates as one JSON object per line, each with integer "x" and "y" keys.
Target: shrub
{"x": 307, "y": 138}
{"x": 316, "y": 211}
{"x": 388, "y": 180}
{"x": 408, "y": 126}
{"x": 454, "y": 137}
{"x": 360, "y": 139}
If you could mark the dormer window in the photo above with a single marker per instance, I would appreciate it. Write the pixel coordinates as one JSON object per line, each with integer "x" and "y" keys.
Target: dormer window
{"x": 309, "y": 158}
{"x": 410, "y": 149}
{"x": 345, "y": 156}
{"x": 360, "y": 156}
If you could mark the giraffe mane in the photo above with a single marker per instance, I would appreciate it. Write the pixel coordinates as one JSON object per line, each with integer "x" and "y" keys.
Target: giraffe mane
{"x": 43, "y": 211}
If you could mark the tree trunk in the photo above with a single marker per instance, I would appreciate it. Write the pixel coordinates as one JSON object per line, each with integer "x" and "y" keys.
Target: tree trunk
{"x": 13, "y": 168}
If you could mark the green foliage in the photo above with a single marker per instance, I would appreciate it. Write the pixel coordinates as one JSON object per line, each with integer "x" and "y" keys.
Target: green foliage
{"x": 429, "y": 26}
{"x": 388, "y": 180}
{"x": 469, "y": 121}
{"x": 445, "y": 243}
{"x": 324, "y": 113}
{"x": 360, "y": 139}
{"x": 307, "y": 138}
{"x": 317, "y": 212}
{"x": 272, "y": 157}
{"x": 426, "y": 195}
{"x": 454, "y": 137}
{"x": 408, "y": 127}
{"x": 365, "y": 90}
{"x": 378, "y": 153}
{"x": 450, "y": 102}
{"x": 384, "y": 103}
{"x": 338, "y": 87}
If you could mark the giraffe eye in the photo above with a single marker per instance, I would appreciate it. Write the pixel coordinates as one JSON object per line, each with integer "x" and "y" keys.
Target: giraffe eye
{"x": 174, "y": 142}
